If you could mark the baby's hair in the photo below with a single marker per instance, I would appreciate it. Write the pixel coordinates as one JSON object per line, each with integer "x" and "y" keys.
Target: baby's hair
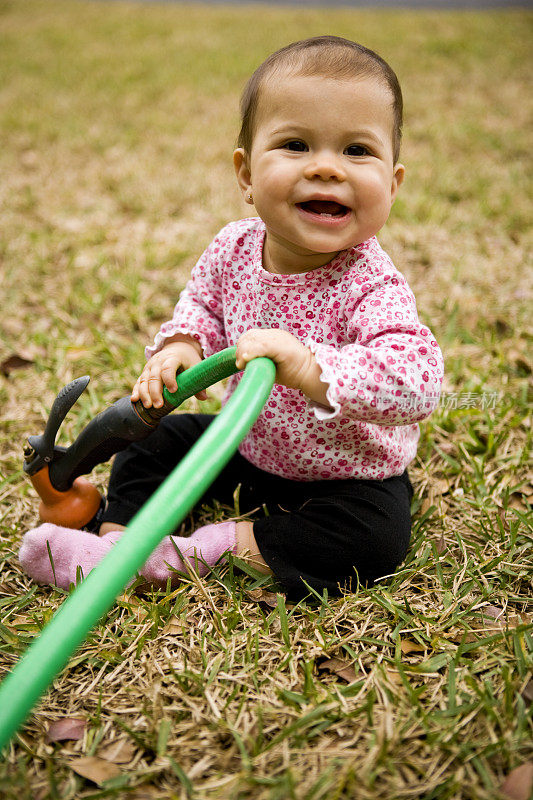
{"x": 328, "y": 56}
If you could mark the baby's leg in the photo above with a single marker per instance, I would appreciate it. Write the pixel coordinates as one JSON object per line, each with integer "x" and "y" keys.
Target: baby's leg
{"x": 333, "y": 534}
{"x": 59, "y": 556}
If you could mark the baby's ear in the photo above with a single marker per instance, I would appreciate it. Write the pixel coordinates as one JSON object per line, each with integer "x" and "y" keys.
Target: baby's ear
{"x": 397, "y": 180}
{"x": 242, "y": 171}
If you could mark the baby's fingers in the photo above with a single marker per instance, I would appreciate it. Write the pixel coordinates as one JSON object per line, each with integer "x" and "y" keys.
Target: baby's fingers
{"x": 135, "y": 392}
{"x": 250, "y": 346}
{"x": 149, "y": 386}
{"x": 168, "y": 374}
{"x": 174, "y": 363}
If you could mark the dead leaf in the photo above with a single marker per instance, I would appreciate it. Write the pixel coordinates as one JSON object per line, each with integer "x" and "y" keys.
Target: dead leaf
{"x": 518, "y": 785}
{"x": 518, "y": 501}
{"x": 13, "y": 362}
{"x": 426, "y": 505}
{"x": 393, "y": 676}
{"x": 340, "y": 668}
{"x": 262, "y": 596}
{"x": 492, "y": 611}
{"x": 119, "y": 752}
{"x": 175, "y": 627}
{"x": 407, "y": 647}
{"x": 440, "y": 544}
{"x": 440, "y": 486}
{"x": 67, "y": 728}
{"x": 97, "y": 770}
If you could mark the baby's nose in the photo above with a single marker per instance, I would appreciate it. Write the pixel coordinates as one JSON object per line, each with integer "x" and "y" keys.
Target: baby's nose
{"x": 325, "y": 166}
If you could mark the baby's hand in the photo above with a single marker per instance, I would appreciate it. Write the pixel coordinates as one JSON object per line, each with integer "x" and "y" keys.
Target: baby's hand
{"x": 181, "y": 352}
{"x": 294, "y": 361}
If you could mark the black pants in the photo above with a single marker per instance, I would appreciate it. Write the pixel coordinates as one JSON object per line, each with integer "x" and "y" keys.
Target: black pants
{"x": 328, "y": 533}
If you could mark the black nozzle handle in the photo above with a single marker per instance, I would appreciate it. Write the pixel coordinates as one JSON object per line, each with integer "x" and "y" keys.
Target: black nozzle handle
{"x": 108, "y": 433}
{"x": 42, "y": 447}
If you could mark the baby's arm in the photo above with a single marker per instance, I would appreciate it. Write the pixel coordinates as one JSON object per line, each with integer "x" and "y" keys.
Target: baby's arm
{"x": 390, "y": 371}
{"x": 296, "y": 366}
{"x": 179, "y": 352}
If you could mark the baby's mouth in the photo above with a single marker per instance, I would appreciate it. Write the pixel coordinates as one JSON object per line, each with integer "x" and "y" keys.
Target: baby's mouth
{"x": 324, "y": 208}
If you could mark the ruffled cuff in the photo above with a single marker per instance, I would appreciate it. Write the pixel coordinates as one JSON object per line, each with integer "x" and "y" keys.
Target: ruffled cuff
{"x": 170, "y": 329}
{"x": 325, "y": 358}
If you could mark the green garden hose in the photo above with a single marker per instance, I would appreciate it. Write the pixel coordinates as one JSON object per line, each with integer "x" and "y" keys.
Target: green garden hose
{"x": 158, "y": 518}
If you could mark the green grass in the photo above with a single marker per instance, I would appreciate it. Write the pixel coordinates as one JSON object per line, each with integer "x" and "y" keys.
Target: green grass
{"x": 117, "y": 123}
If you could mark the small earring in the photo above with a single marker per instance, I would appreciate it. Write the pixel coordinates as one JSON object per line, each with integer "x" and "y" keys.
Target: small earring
{"x": 249, "y": 197}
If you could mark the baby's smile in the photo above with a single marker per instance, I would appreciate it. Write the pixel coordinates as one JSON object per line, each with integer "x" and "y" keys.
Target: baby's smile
{"x": 330, "y": 209}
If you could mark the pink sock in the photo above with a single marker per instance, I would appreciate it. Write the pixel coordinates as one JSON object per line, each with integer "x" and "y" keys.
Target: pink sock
{"x": 201, "y": 550}
{"x": 73, "y": 549}
{"x": 70, "y": 549}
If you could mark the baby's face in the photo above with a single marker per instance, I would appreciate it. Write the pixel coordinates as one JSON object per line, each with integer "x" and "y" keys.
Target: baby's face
{"x": 321, "y": 168}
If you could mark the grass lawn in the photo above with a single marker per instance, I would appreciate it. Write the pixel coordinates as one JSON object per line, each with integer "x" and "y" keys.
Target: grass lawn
{"x": 117, "y": 123}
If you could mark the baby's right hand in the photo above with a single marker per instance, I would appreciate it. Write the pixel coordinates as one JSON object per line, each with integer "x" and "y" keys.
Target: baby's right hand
{"x": 161, "y": 371}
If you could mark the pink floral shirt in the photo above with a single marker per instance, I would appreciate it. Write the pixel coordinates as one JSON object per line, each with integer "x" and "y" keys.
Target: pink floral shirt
{"x": 358, "y": 316}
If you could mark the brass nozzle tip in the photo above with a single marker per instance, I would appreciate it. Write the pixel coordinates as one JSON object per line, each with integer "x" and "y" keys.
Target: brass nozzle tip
{"x": 28, "y": 451}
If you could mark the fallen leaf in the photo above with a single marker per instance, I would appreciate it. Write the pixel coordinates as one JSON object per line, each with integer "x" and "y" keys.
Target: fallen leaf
{"x": 518, "y": 785}
{"x": 175, "y": 627}
{"x": 66, "y": 728}
{"x": 97, "y": 770}
{"x": 120, "y": 752}
{"x": 340, "y": 668}
{"x": 492, "y": 611}
{"x": 440, "y": 486}
{"x": 494, "y": 617}
{"x": 262, "y": 596}
{"x": 13, "y": 362}
{"x": 393, "y": 676}
{"x": 407, "y": 647}
{"x": 518, "y": 501}
{"x": 426, "y": 505}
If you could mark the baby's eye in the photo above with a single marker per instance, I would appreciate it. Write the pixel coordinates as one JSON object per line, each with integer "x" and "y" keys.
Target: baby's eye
{"x": 356, "y": 150}
{"x": 296, "y": 146}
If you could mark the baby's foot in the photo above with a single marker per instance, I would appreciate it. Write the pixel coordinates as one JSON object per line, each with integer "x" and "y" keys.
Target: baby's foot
{"x": 55, "y": 555}
{"x": 201, "y": 550}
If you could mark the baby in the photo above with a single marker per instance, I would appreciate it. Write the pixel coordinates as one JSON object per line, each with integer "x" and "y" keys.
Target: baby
{"x": 306, "y": 284}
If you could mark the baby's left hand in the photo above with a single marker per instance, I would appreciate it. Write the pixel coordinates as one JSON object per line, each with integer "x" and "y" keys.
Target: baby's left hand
{"x": 293, "y": 359}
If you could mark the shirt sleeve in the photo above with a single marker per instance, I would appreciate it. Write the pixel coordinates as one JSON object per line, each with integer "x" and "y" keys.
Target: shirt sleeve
{"x": 391, "y": 371}
{"x": 199, "y": 310}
